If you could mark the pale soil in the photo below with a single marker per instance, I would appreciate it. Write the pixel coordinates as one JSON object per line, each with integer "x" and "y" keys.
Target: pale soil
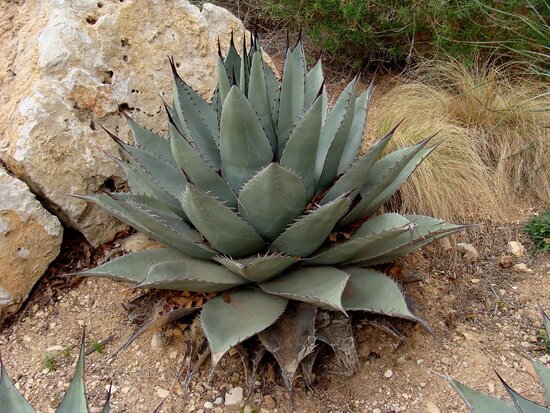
{"x": 478, "y": 326}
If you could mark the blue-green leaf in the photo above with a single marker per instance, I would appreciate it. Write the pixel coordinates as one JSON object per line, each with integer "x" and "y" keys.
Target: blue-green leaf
{"x": 244, "y": 146}
{"x": 271, "y": 200}
{"x": 220, "y": 225}
{"x": 231, "y": 319}
{"x": 321, "y": 286}
{"x": 309, "y": 231}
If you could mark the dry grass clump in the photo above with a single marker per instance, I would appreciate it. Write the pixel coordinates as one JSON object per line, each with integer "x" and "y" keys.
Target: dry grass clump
{"x": 496, "y": 147}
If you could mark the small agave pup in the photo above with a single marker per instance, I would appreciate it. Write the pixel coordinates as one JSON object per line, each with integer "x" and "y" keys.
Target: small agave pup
{"x": 246, "y": 192}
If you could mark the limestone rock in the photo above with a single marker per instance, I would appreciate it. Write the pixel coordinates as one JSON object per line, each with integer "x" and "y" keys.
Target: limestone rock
{"x": 516, "y": 248}
{"x": 234, "y": 399}
{"x": 468, "y": 250}
{"x": 30, "y": 238}
{"x": 67, "y": 66}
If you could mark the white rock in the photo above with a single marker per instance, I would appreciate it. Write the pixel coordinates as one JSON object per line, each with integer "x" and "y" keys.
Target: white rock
{"x": 388, "y": 374}
{"x": 218, "y": 401}
{"x": 431, "y": 407}
{"x": 208, "y": 405}
{"x": 376, "y": 410}
{"x": 156, "y": 341}
{"x": 468, "y": 250}
{"x": 64, "y": 74}
{"x": 162, "y": 393}
{"x": 516, "y": 248}
{"x": 522, "y": 268}
{"x": 25, "y": 226}
{"x": 234, "y": 398}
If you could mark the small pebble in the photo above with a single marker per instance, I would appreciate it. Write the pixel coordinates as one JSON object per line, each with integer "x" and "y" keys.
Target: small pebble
{"x": 388, "y": 374}
{"x": 162, "y": 393}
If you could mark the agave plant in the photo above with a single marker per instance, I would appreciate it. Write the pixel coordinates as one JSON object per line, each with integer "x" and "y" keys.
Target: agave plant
{"x": 11, "y": 400}
{"x": 261, "y": 196}
{"x": 478, "y": 402}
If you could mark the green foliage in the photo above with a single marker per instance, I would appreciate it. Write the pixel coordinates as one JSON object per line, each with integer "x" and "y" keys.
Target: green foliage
{"x": 49, "y": 362}
{"x": 390, "y": 31}
{"x": 538, "y": 229}
{"x": 98, "y": 346}
{"x": 253, "y": 191}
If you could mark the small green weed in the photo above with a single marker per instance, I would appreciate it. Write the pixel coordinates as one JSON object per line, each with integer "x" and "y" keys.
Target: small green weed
{"x": 538, "y": 229}
{"x": 98, "y": 347}
{"x": 49, "y": 362}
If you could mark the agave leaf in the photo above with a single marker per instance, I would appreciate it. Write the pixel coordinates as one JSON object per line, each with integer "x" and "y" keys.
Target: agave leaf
{"x": 422, "y": 231}
{"x": 258, "y": 269}
{"x": 223, "y": 83}
{"x": 300, "y": 153}
{"x": 307, "y": 367}
{"x": 371, "y": 238}
{"x": 107, "y": 405}
{"x": 309, "y": 231}
{"x": 271, "y": 200}
{"x": 232, "y": 60}
{"x": 259, "y": 98}
{"x": 344, "y": 251}
{"x": 149, "y": 202}
{"x": 168, "y": 229}
{"x": 338, "y": 334}
{"x": 375, "y": 292}
{"x": 11, "y": 400}
{"x": 478, "y": 402}
{"x": 321, "y": 286}
{"x": 354, "y": 178}
{"x": 292, "y": 94}
{"x": 133, "y": 267}
{"x": 141, "y": 184}
{"x": 244, "y": 74}
{"x": 546, "y": 321}
{"x": 522, "y": 404}
{"x": 334, "y": 154}
{"x": 198, "y": 171}
{"x": 357, "y": 130}
{"x": 151, "y": 142}
{"x": 244, "y": 146}
{"x": 230, "y": 319}
{"x": 156, "y": 323}
{"x": 220, "y": 225}
{"x": 314, "y": 82}
{"x": 544, "y": 378}
{"x": 385, "y": 177}
{"x": 333, "y": 124}
{"x": 387, "y": 169}
{"x": 166, "y": 176}
{"x": 290, "y": 349}
{"x": 272, "y": 85}
{"x": 75, "y": 400}
{"x": 198, "y": 119}
{"x": 400, "y": 179}
{"x": 188, "y": 274}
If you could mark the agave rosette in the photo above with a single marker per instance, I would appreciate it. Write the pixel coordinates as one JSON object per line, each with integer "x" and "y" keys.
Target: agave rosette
{"x": 247, "y": 190}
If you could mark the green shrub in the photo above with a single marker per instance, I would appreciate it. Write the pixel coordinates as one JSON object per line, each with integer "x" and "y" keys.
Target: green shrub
{"x": 391, "y": 31}
{"x": 538, "y": 229}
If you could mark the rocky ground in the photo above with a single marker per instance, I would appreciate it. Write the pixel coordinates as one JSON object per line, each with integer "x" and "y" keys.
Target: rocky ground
{"x": 483, "y": 310}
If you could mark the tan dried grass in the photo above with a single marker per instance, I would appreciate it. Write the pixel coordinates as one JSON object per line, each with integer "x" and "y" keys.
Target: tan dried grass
{"x": 496, "y": 149}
